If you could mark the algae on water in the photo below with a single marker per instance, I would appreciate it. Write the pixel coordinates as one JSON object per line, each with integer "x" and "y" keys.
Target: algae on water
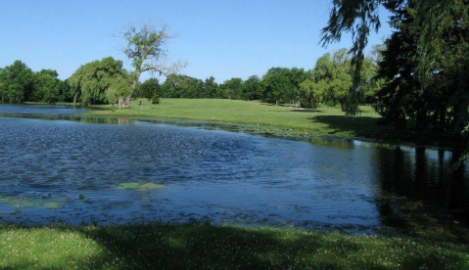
{"x": 17, "y": 202}
{"x": 140, "y": 187}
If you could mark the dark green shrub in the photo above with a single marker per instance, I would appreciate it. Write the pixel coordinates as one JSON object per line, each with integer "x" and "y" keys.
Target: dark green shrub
{"x": 155, "y": 99}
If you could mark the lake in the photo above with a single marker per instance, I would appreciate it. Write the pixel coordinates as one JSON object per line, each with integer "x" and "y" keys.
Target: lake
{"x": 58, "y": 167}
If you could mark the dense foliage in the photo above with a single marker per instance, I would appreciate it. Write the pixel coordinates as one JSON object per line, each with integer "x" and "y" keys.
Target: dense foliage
{"x": 149, "y": 88}
{"x": 182, "y": 86}
{"x": 91, "y": 82}
{"x": 18, "y": 83}
{"x": 435, "y": 100}
{"x": 106, "y": 81}
{"x": 424, "y": 63}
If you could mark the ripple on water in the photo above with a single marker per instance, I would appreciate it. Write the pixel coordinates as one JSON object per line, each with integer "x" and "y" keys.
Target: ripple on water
{"x": 229, "y": 178}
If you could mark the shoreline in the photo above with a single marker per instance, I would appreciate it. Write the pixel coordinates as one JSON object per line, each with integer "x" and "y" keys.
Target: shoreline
{"x": 277, "y": 132}
{"x": 378, "y": 134}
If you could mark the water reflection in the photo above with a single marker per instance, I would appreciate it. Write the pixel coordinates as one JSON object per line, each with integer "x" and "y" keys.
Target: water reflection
{"x": 31, "y": 110}
{"x": 419, "y": 187}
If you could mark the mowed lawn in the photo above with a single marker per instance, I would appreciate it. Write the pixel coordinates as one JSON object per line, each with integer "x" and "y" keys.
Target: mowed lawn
{"x": 323, "y": 120}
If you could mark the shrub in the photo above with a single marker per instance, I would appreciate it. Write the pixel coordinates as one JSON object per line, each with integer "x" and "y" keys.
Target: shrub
{"x": 155, "y": 99}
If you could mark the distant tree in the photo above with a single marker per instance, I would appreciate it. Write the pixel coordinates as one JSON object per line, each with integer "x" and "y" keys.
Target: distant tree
{"x": 371, "y": 83}
{"x": 278, "y": 87}
{"x": 210, "y": 88}
{"x": 15, "y": 93}
{"x": 252, "y": 88}
{"x": 155, "y": 99}
{"x": 2, "y": 85}
{"x": 17, "y": 83}
{"x": 311, "y": 94}
{"x": 198, "y": 86}
{"x": 66, "y": 92}
{"x": 149, "y": 88}
{"x": 145, "y": 46}
{"x": 91, "y": 81}
{"x": 48, "y": 87}
{"x": 117, "y": 86}
{"x": 332, "y": 77}
{"x": 282, "y": 85}
{"x": 297, "y": 76}
{"x": 181, "y": 86}
{"x": 233, "y": 88}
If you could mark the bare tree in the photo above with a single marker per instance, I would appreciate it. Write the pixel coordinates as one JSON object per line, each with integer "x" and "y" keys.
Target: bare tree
{"x": 146, "y": 47}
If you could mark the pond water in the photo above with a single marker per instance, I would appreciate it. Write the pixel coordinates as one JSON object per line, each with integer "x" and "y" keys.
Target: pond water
{"x": 76, "y": 172}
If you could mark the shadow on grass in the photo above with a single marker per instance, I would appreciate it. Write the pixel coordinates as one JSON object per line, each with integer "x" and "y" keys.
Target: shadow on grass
{"x": 369, "y": 127}
{"x": 307, "y": 110}
{"x": 207, "y": 247}
{"x": 359, "y": 126}
{"x": 194, "y": 246}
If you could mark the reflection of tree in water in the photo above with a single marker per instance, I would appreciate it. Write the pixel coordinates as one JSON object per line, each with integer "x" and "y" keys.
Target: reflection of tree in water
{"x": 414, "y": 189}
{"x": 105, "y": 120}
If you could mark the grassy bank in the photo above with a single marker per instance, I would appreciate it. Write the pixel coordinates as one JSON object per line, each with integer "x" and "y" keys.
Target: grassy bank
{"x": 207, "y": 247}
{"x": 321, "y": 121}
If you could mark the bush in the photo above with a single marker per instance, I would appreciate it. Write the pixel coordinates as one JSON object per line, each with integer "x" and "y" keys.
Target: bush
{"x": 155, "y": 99}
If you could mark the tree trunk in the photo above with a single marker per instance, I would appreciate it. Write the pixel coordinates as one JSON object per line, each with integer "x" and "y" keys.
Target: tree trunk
{"x": 343, "y": 104}
{"x": 124, "y": 103}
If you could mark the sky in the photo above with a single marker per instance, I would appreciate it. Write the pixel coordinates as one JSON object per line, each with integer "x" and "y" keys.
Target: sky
{"x": 220, "y": 38}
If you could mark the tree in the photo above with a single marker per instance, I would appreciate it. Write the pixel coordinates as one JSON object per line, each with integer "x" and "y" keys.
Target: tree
{"x": 278, "y": 87}
{"x": 434, "y": 64}
{"x": 407, "y": 95}
{"x": 149, "y": 88}
{"x": 371, "y": 83}
{"x": 17, "y": 83}
{"x": 332, "y": 77}
{"x": 358, "y": 17}
{"x": 233, "y": 88}
{"x": 310, "y": 94}
{"x": 91, "y": 81}
{"x": 181, "y": 86}
{"x": 118, "y": 86}
{"x": 210, "y": 88}
{"x": 252, "y": 88}
{"x": 145, "y": 46}
{"x": 297, "y": 76}
{"x": 47, "y": 87}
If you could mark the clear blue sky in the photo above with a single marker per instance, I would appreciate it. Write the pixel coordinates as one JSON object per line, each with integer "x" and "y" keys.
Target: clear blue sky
{"x": 220, "y": 38}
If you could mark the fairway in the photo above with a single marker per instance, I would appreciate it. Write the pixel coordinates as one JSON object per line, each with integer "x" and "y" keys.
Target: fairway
{"x": 321, "y": 121}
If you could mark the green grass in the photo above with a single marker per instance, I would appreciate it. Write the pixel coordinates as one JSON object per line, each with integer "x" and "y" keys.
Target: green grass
{"x": 194, "y": 246}
{"x": 282, "y": 119}
{"x": 236, "y": 111}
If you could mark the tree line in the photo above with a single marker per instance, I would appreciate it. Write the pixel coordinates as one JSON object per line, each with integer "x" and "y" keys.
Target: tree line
{"x": 18, "y": 83}
{"x": 327, "y": 83}
{"x": 103, "y": 81}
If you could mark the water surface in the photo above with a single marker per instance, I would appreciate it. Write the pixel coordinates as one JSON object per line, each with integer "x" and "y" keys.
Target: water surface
{"x": 70, "y": 171}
